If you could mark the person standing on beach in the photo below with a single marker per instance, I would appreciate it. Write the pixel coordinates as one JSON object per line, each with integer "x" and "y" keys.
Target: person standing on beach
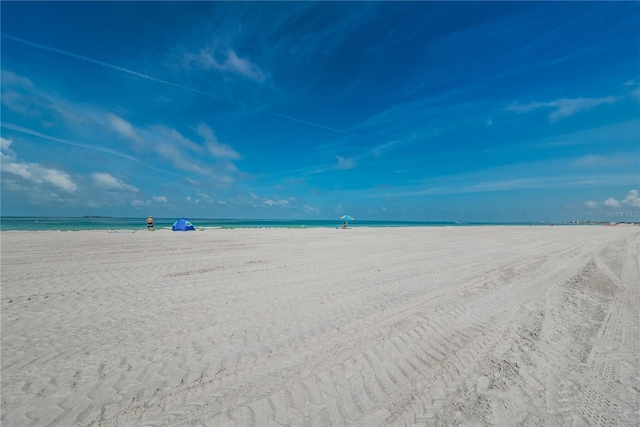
{"x": 150, "y": 223}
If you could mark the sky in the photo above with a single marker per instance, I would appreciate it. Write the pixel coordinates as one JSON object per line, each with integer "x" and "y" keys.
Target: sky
{"x": 413, "y": 111}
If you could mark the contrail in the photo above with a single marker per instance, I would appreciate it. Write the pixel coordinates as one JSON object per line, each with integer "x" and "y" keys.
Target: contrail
{"x": 151, "y": 78}
{"x": 80, "y": 145}
{"x": 107, "y": 65}
{"x": 314, "y": 124}
{"x": 66, "y": 142}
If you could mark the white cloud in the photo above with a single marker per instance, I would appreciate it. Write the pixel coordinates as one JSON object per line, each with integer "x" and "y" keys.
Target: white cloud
{"x": 311, "y": 209}
{"x": 632, "y": 199}
{"x": 612, "y": 202}
{"x": 591, "y": 204}
{"x": 205, "y": 197}
{"x": 214, "y": 146}
{"x": 278, "y": 202}
{"x": 171, "y": 135}
{"x": 123, "y": 127}
{"x": 226, "y": 60}
{"x": 20, "y": 169}
{"x": 344, "y": 163}
{"x": 191, "y": 200}
{"x": 256, "y": 201}
{"x": 59, "y": 179}
{"x": 568, "y": 107}
{"x": 243, "y": 66}
{"x": 109, "y": 182}
{"x": 158, "y": 199}
{"x": 338, "y": 209}
{"x": 39, "y": 174}
{"x": 564, "y": 107}
{"x": 33, "y": 172}
{"x": 4, "y": 146}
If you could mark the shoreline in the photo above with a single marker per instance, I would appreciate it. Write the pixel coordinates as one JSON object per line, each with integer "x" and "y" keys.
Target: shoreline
{"x": 302, "y": 227}
{"x": 62, "y": 223}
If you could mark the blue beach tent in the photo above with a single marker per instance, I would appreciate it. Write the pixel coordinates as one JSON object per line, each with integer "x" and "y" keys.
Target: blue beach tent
{"x": 183, "y": 224}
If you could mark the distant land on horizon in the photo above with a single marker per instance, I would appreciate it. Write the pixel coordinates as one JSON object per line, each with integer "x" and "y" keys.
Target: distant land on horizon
{"x": 300, "y": 220}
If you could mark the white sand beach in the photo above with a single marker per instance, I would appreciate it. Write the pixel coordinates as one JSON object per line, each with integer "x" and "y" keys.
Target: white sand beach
{"x": 367, "y": 326}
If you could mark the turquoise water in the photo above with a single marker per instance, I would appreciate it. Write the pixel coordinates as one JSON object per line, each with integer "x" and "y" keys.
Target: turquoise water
{"x": 53, "y": 223}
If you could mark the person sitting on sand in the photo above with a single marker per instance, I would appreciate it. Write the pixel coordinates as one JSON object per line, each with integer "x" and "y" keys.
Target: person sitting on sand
{"x": 150, "y": 223}
{"x": 344, "y": 225}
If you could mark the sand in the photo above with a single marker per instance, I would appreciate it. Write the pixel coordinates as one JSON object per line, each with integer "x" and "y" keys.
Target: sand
{"x": 365, "y": 326}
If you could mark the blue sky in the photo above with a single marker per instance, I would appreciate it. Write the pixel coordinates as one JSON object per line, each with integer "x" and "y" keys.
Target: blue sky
{"x": 491, "y": 111}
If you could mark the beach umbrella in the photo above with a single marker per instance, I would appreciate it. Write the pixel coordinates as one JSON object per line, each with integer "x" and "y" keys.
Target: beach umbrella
{"x": 346, "y": 218}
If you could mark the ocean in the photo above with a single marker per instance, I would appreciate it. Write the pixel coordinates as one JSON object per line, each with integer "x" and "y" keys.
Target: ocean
{"x": 74, "y": 224}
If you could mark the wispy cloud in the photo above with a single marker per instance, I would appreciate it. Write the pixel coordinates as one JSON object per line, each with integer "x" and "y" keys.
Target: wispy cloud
{"x": 610, "y": 134}
{"x": 225, "y": 59}
{"x": 272, "y": 201}
{"x": 205, "y": 197}
{"x": 95, "y": 148}
{"x": 593, "y": 160}
{"x": 160, "y": 199}
{"x": 106, "y": 181}
{"x": 123, "y": 127}
{"x": 234, "y": 63}
{"x": 312, "y": 30}
{"x": 12, "y": 79}
{"x": 149, "y": 202}
{"x": 564, "y": 107}
{"x": 276, "y": 202}
{"x": 215, "y": 147}
{"x": 482, "y": 182}
{"x": 100, "y": 63}
{"x": 379, "y": 149}
{"x": 344, "y": 163}
{"x": 591, "y": 204}
{"x": 172, "y": 146}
